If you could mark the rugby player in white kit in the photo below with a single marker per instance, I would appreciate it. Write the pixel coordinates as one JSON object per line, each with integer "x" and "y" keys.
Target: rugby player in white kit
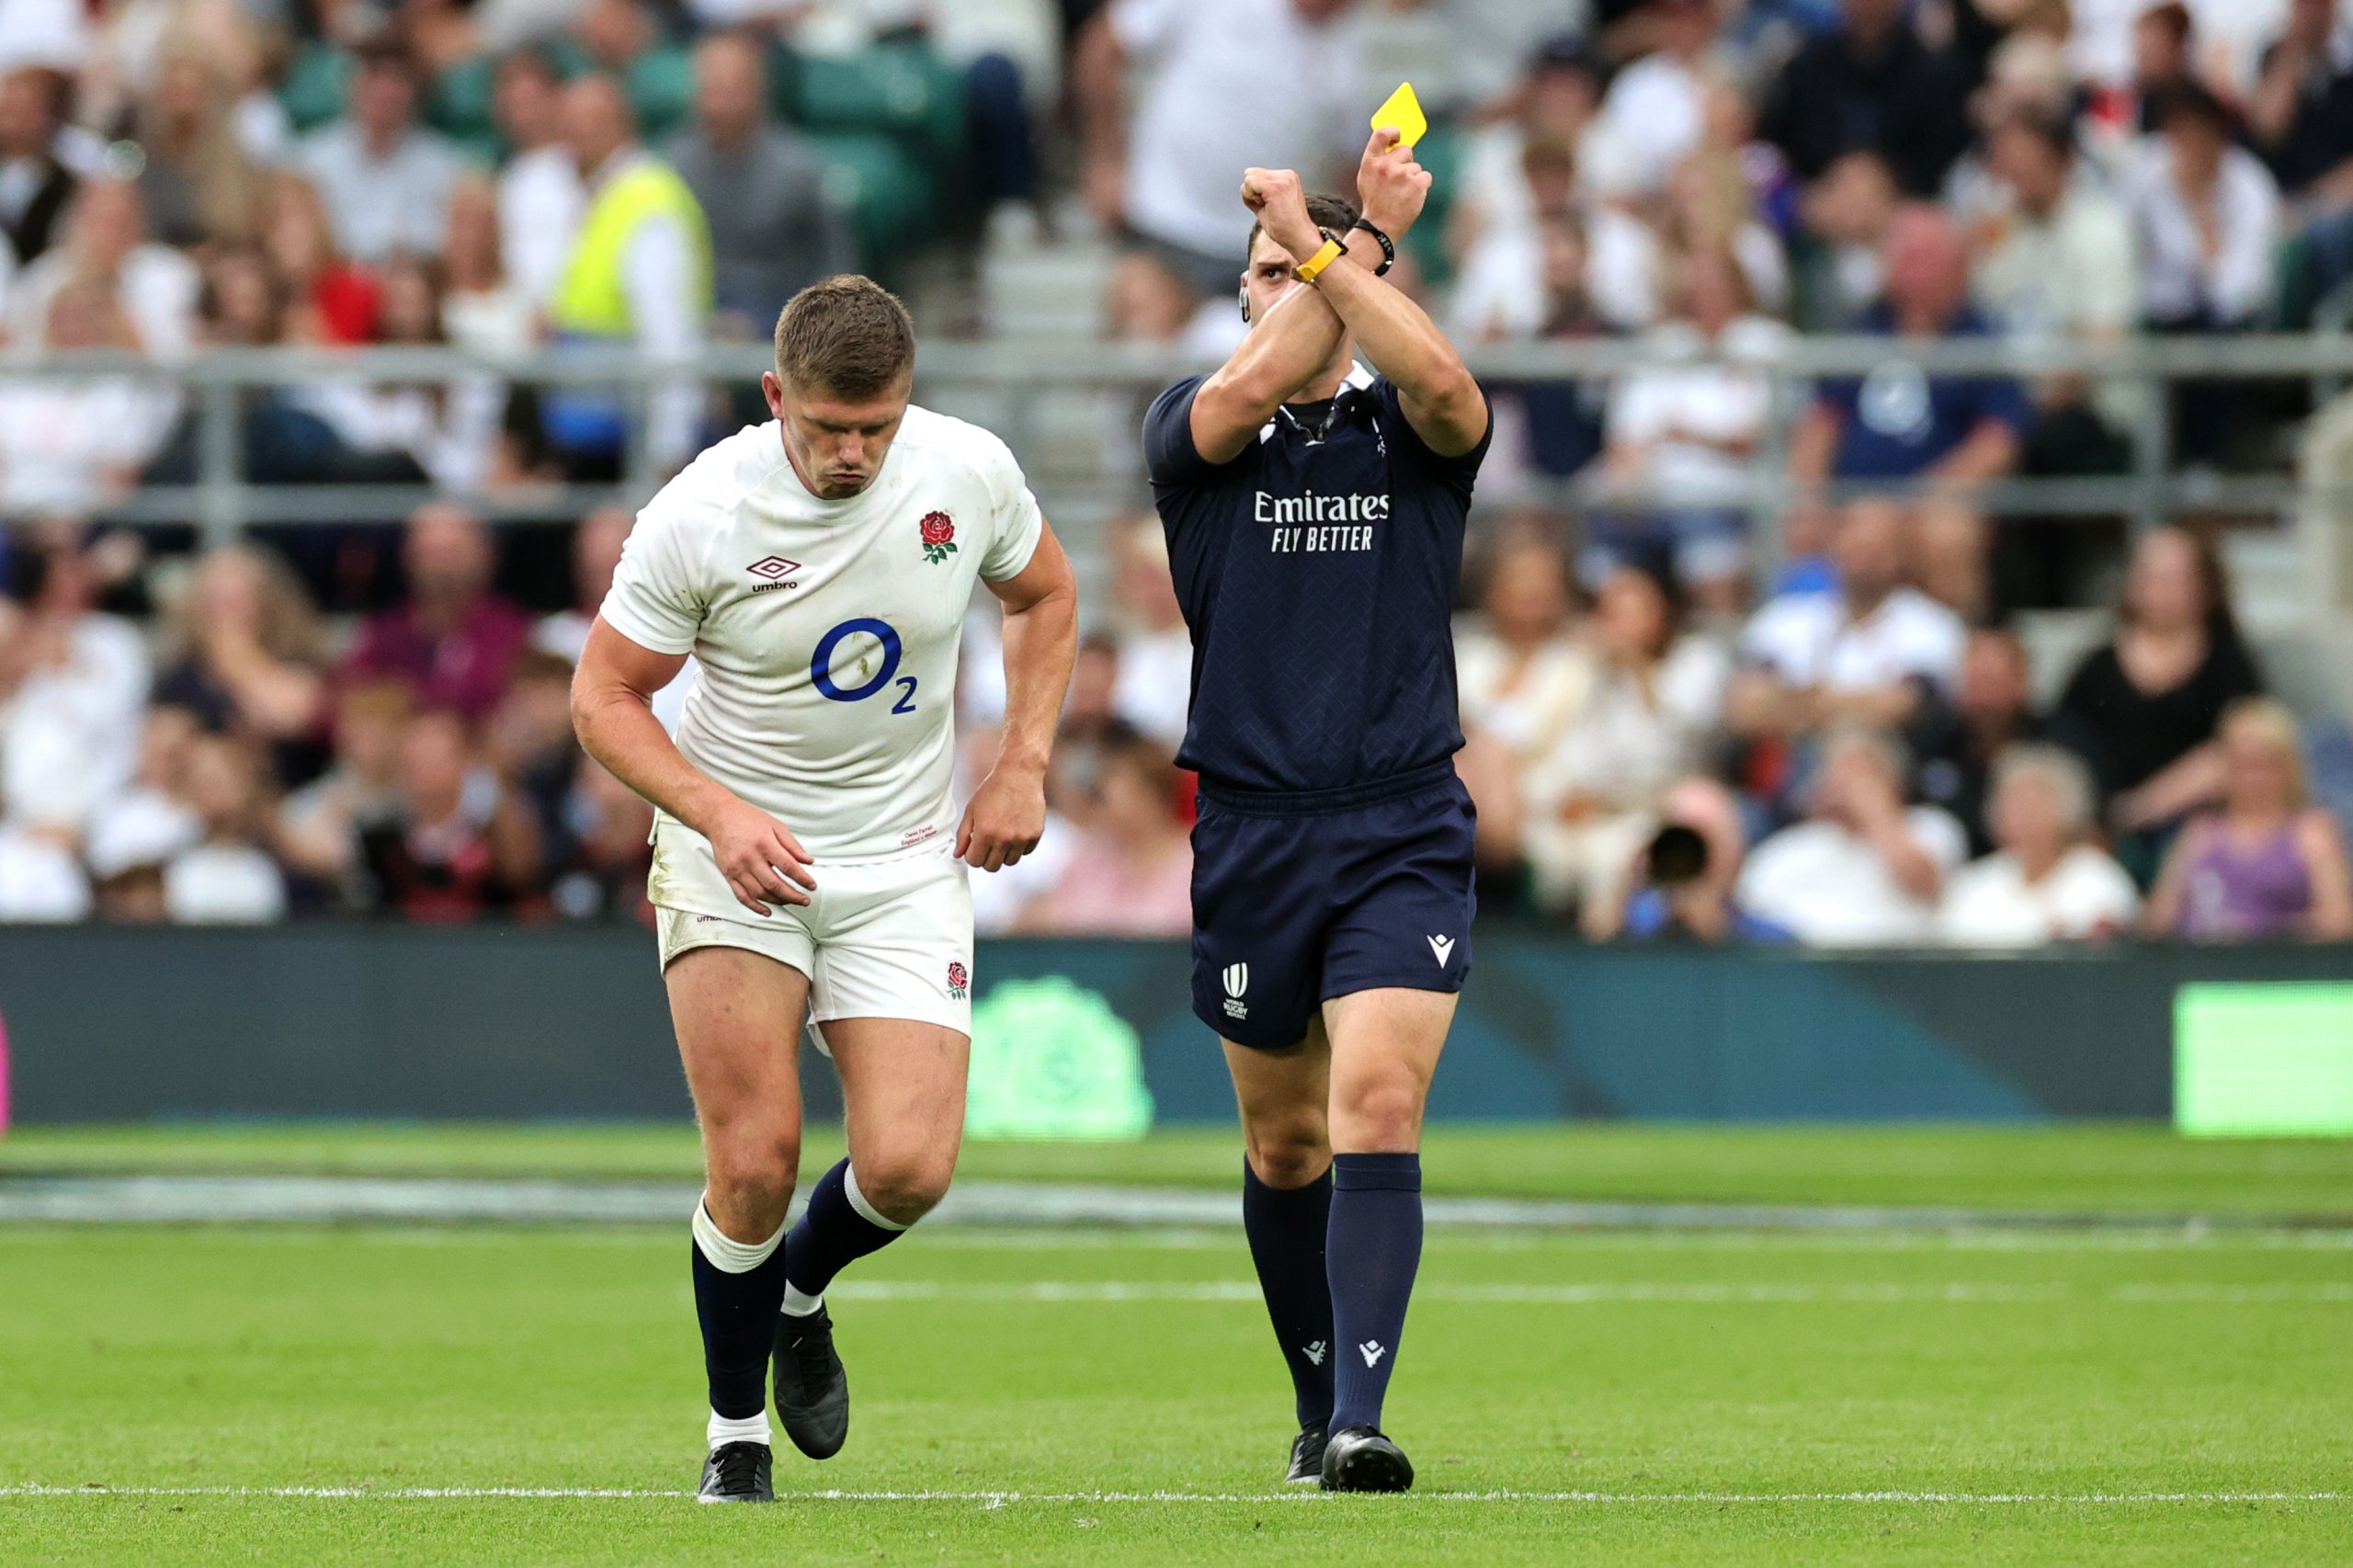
{"x": 808, "y": 863}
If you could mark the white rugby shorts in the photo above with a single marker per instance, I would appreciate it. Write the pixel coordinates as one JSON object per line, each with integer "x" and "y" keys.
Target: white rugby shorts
{"x": 890, "y": 938}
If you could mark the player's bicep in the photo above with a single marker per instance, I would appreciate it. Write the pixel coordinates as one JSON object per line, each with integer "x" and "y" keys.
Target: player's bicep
{"x": 614, "y": 664}
{"x": 1047, "y": 574}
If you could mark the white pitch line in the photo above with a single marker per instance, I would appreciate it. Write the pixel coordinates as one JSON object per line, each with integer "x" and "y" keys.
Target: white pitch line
{"x": 1003, "y": 1498}
{"x": 1692, "y": 1292}
{"x": 1152, "y": 1238}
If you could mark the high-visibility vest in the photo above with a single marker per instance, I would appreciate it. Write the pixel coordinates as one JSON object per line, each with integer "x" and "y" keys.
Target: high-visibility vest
{"x": 591, "y": 298}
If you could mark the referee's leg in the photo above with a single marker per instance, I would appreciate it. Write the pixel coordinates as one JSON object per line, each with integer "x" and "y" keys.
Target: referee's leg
{"x": 1385, "y": 1045}
{"x": 738, "y": 1015}
{"x": 1286, "y": 1210}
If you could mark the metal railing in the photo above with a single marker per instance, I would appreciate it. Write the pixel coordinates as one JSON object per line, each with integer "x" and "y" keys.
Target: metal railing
{"x": 1013, "y": 377}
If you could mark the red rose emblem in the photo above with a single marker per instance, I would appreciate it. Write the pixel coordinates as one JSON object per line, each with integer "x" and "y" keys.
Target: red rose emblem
{"x": 956, "y": 978}
{"x": 939, "y": 537}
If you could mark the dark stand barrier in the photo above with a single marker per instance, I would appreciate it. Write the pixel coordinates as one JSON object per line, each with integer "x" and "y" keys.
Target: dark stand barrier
{"x": 122, "y": 1024}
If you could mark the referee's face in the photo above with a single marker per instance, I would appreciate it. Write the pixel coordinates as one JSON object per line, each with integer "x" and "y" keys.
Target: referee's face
{"x": 1271, "y": 276}
{"x": 837, "y": 444}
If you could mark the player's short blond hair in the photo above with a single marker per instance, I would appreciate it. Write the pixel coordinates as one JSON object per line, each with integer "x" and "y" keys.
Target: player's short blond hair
{"x": 846, "y": 334}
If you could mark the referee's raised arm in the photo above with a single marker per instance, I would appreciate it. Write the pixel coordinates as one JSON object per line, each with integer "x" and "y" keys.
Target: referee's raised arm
{"x": 1440, "y": 398}
{"x": 1294, "y": 339}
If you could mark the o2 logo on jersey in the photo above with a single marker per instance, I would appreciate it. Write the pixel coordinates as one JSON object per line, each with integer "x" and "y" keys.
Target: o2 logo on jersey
{"x": 867, "y": 651}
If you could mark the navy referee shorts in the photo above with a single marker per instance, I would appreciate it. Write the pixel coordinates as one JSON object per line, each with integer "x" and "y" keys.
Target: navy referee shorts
{"x": 1301, "y": 897}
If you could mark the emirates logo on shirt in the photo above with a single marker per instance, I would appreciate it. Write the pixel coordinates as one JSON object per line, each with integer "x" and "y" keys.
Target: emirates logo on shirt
{"x": 939, "y": 537}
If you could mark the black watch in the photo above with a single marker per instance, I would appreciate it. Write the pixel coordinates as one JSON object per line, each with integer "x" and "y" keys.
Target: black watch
{"x": 1388, "y": 248}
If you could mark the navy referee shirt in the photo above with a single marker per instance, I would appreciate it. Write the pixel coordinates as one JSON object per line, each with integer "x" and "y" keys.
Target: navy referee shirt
{"x": 1317, "y": 571}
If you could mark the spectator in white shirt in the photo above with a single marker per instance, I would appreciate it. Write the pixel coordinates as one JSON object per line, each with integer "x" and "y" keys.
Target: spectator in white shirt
{"x": 484, "y": 310}
{"x": 1684, "y": 433}
{"x": 1656, "y": 108}
{"x": 448, "y": 429}
{"x": 105, "y": 240}
{"x": 385, "y": 181}
{"x": 1867, "y": 652}
{"x": 2207, "y": 214}
{"x": 39, "y": 879}
{"x": 2046, "y": 882}
{"x": 1862, "y": 871}
{"x": 541, "y": 198}
{"x": 226, "y": 879}
{"x": 1520, "y": 680}
{"x": 2056, "y": 260}
{"x": 1648, "y": 720}
{"x": 1506, "y": 286}
{"x": 1151, "y": 689}
{"x": 1224, "y": 84}
{"x": 52, "y": 34}
{"x": 66, "y": 446}
{"x": 72, "y": 686}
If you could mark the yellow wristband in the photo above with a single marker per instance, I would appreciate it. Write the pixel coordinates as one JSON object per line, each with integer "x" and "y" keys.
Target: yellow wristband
{"x": 1306, "y": 271}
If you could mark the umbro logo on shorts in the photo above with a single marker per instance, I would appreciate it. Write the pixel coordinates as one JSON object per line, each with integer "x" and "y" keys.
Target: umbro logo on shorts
{"x": 1237, "y": 981}
{"x": 774, "y": 569}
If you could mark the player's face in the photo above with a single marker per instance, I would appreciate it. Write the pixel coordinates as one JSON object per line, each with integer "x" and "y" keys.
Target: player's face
{"x": 836, "y": 446}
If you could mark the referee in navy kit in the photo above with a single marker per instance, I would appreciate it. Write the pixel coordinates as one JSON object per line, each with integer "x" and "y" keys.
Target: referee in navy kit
{"x": 1315, "y": 511}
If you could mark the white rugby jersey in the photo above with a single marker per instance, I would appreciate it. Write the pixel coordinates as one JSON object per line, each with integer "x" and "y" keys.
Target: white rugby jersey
{"x": 826, "y": 631}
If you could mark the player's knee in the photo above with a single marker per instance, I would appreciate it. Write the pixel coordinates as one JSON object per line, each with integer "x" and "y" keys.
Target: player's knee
{"x": 1288, "y": 1151}
{"x": 753, "y": 1171}
{"x": 904, "y": 1188}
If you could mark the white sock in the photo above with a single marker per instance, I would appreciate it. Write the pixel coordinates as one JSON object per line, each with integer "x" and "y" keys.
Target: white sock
{"x": 726, "y": 1254}
{"x": 750, "y": 1429}
{"x": 865, "y": 1211}
{"x": 797, "y": 1305}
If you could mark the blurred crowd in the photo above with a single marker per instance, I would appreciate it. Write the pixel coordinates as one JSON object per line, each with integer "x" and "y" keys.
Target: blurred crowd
{"x": 1849, "y": 766}
{"x": 501, "y": 175}
{"x": 1666, "y": 738}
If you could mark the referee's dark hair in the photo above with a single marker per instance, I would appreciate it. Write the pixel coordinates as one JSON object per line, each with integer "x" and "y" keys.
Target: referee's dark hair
{"x": 1329, "y": 211}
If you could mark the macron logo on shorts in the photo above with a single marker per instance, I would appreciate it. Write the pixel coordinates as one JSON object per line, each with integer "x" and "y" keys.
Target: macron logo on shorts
{"x": 1237, "y": 981}
{"x": 1444, "y": 947}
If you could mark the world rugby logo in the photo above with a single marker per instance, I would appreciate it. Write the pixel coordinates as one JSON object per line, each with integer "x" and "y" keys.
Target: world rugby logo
{"x": 1237, "y": 981}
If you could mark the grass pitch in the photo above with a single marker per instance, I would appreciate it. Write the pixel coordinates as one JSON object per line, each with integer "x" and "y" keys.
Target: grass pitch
{"x": 2036, "y": 1395}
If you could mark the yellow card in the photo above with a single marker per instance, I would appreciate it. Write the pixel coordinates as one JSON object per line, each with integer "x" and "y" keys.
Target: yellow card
{"x": 1402, "y": 110}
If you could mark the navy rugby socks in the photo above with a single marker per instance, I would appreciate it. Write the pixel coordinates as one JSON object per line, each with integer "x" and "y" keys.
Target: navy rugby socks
{"x": 1286, "y": 1228}
{"x": 1375, "y": 1246}
{"x": 838, "y": 1228}
{"x": 737, "y": 1288}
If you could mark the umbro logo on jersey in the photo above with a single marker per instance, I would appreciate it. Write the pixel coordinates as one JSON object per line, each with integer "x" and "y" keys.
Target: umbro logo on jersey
{"x": 1372, "y": 1350}
{"x": 1237, "y": 981}
{"x": 1444, "y": 947}
{"x": 773, "y": 570}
